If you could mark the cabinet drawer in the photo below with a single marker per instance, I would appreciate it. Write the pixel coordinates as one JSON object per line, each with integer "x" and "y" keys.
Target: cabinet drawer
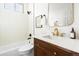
{"x": 59, "y": 51}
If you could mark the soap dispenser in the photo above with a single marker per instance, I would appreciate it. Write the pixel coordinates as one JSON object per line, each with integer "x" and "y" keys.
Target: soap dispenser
{"x": 73, "y": 34}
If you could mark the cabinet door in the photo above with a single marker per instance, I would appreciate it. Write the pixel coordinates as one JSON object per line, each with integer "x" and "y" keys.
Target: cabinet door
{"x": 35, "y": 50}
{"x": 42, "y": 51}
{"x": 40, "y": 48}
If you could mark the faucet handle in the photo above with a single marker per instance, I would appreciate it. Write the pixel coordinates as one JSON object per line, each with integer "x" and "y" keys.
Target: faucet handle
{"x": 63, "y": 34}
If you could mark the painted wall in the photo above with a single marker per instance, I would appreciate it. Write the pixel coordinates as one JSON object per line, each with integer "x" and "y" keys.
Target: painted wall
{"x": 40, "y": 9}
{"x": 31, "y": 18}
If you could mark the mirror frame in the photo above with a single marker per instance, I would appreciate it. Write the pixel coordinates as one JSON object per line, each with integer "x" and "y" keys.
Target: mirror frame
{"x": 72, "y": 15}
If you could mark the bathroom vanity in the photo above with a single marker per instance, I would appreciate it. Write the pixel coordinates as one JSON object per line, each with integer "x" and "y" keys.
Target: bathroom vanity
{"x": 49, "y": 47}
{"x": 59, "y": 23}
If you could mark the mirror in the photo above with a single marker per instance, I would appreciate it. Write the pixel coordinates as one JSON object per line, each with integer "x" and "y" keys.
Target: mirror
{"x": 61, "y": 14}
{"x": 40, "y": 21}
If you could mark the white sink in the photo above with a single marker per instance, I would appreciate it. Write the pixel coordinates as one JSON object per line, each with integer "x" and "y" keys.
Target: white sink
{"x": 47, "y": 36}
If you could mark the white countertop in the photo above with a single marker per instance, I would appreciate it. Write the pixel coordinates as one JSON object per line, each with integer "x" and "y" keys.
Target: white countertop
{"x": 71, "y": 44}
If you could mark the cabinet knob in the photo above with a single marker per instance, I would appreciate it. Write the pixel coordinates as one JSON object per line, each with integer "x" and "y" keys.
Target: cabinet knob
{"x": 54, "y": 53}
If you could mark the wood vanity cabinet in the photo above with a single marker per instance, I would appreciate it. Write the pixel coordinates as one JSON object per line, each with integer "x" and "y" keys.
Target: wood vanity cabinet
{"x": 42, "y": 48}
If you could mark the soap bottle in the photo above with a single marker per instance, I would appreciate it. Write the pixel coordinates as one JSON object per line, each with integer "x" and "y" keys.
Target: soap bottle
{"x": 73, "y": 34}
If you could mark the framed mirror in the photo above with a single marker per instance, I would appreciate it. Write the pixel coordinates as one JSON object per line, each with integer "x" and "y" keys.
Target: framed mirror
{"x": 61, "y": 14}
{"x": 41, "y": 14}
{"x": 40, "y": 21}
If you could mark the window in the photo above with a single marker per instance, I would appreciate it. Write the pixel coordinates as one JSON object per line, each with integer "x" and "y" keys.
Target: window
{"x": 17, "y": 7}
{"x": 10, "y": 6}
{"x": 1, "y": 6}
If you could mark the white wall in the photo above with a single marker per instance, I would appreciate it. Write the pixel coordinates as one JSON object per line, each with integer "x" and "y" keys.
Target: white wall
{"x": 40, "y": 9}
{"x": 29, "y": 7}
{"x": 31, "y": 18}
{"x": 13, "y": 27}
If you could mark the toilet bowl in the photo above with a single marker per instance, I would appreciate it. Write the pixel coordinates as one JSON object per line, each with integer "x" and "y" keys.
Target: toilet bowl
{"x": 25, "y": 50}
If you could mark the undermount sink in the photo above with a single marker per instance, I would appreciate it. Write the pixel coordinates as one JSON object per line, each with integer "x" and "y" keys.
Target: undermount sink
{"x": 48, "y": 36}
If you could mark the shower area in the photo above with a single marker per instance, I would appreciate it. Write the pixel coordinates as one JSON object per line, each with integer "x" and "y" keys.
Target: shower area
{"x": 16, "y": 23}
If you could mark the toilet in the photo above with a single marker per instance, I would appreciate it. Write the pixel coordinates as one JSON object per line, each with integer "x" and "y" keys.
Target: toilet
{"x": 25, "y": 50}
